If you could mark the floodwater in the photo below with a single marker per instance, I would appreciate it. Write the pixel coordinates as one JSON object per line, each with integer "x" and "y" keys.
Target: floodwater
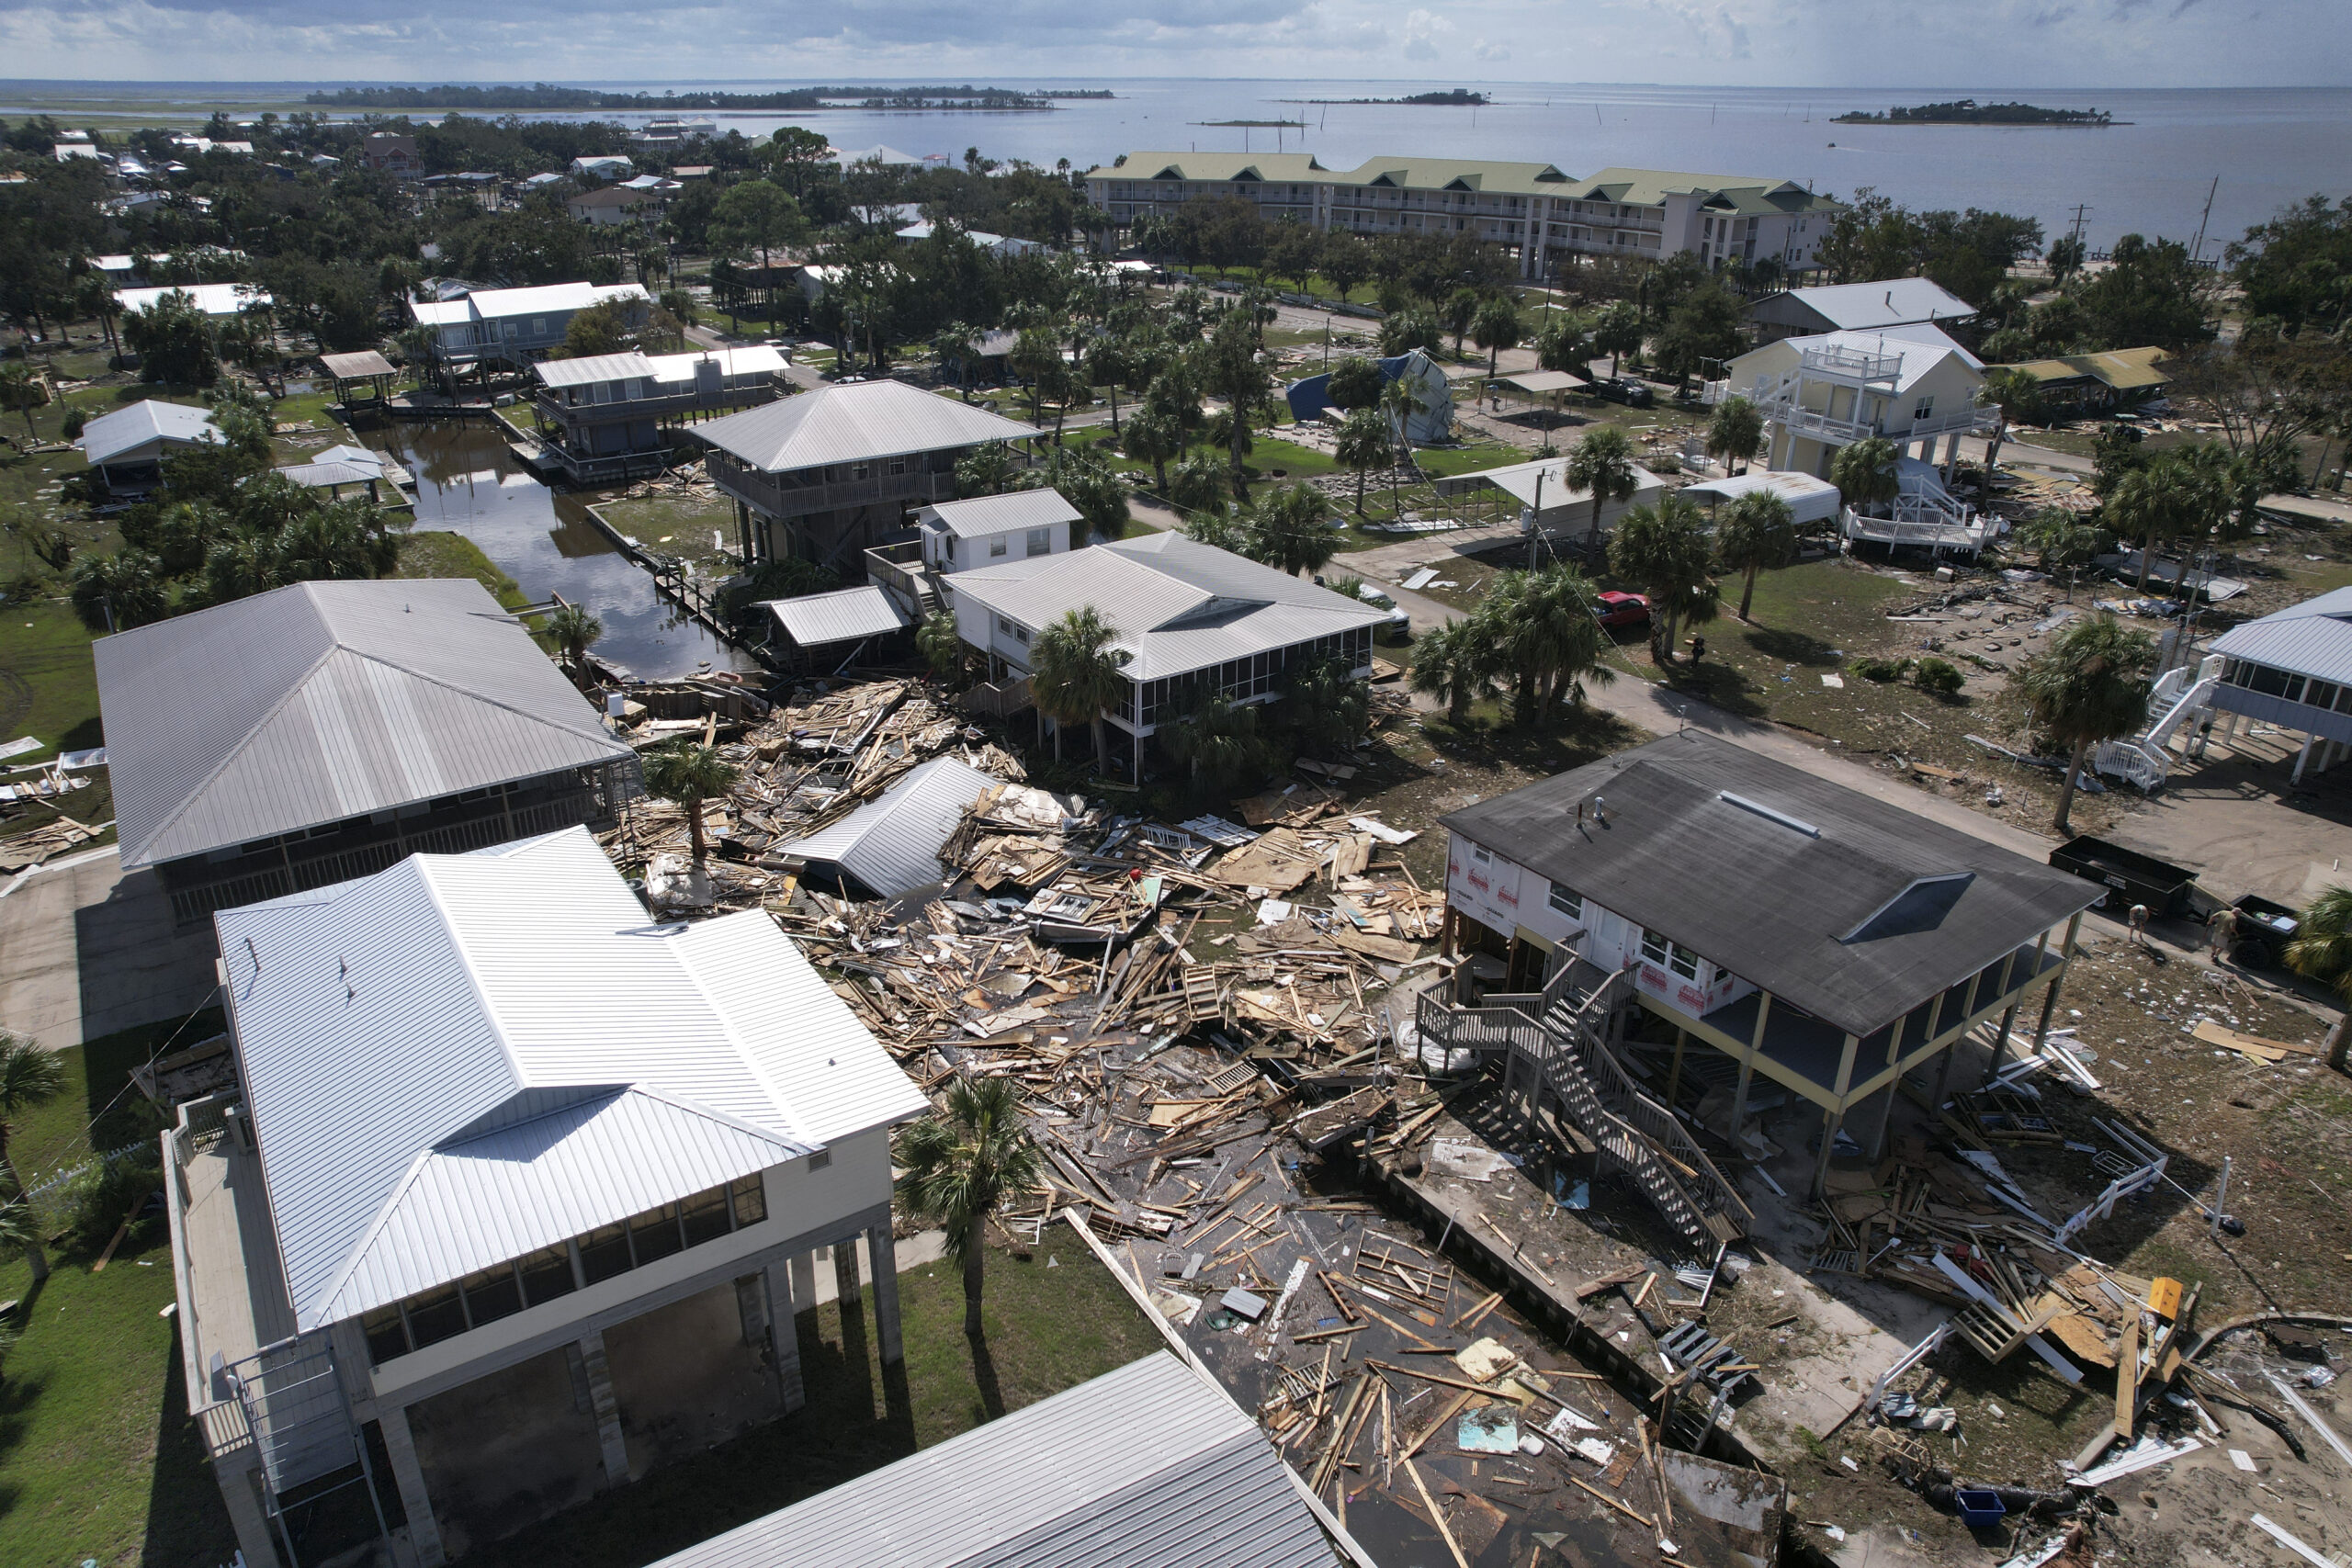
{"x": 469, "y": 483}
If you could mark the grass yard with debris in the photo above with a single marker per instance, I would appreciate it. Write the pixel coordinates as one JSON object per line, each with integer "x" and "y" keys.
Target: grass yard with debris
{"x": 1053, "y": 1322}
{"x": 99, "y": 1458}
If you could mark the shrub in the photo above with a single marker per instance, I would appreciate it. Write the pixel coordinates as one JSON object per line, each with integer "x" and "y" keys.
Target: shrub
{"x": 75, "y": 422}
{"x": 112, "y": 1191}
{"x": 1939, "y": 677}
{"x": 1881, "y": 669}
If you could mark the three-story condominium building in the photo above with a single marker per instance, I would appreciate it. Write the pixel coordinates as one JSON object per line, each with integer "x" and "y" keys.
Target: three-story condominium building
{"x": 517, "y": 1194}
{"x": 1541, "y": 214}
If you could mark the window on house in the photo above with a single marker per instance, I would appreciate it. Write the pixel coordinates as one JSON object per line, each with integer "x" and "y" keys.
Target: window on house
{"x": 1653, "y": 947}
{"x": 434, "y": 1316}
{"x": 1021, "y": 636}
{"x": 1926, "y": 406}
{"x": 1683, "y": 962}
{"x": 997, "y": 546}
{"x": 603, "y": 1253}
{"x": 491, "y": 1294}
{"x": 750, "y": 1195}
{"x": 1041, "y": 541}
{"x": 897, "y": 465}
{"x": 539, "y": 326}
{"x": 1003, "y": 627}
{"x": 547, "y": 1274}
{"x": 705, "y": 1216}
{"x": 1568, "y": 901}
{"x": 654, "y": 1234}
{"x": 1481, "y": 855}
{"x": 387, "y": 1336}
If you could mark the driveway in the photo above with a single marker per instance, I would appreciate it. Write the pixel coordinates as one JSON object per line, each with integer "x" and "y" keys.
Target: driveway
{"x": 85, "y": 950}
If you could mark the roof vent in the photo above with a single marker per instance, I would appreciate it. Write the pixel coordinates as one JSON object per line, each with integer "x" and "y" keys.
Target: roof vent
{"x": 1782, "y": 817}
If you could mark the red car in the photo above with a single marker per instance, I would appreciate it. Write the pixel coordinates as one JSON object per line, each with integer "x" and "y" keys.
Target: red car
{"x": 1624, "y": 609}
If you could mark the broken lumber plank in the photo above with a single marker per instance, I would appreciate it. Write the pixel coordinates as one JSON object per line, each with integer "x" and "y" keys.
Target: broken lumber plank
{"x": 1437, "y": 1515}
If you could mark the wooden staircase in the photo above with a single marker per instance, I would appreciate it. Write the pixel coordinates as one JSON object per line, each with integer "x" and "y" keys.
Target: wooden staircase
{"x": 1558, "y": 1031}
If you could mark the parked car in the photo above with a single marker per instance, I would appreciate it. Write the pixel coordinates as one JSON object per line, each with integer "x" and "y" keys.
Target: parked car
{"x": 1621, "y": 390}
{"x": 1619, "y": 609}
{"x": 1398, "y": 620}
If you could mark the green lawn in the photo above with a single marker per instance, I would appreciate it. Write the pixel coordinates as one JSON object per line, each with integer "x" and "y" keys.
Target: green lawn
{"x": 675, "y": 525}
{"x": 98, "y": 1459}
{"x": 1050, "y": 1326}
{"x": 436, "y": 553}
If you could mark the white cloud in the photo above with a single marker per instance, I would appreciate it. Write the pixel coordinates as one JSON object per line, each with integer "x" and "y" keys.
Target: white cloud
{"x": 1422, "y": 31}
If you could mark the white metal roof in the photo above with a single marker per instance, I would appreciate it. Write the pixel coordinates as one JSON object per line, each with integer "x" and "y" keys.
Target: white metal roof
{"x": 1010, "y": 512}
{"x": 1886, "y": 303}
{"x": 545, "y": 299}
{"x": 852, "y": 424}
{"x": 752, "y": 361}
{"x": 1810, "y": 499}
{"x": 438, "y": 1085}
{"x": 593, "y": 367}
{"x": 2311, "y": 638}
{"x": 213, "y": 299}
{"x": 1539, "y": 381}
{"x": 1145, "y": 1467}
{"x": 320, "y": 474}
{"x": 1177, "y": 605}
{"x": 845, "y": 614}
{"x": 1518, "y": 481}
{"x": 892, "y": 844}
{"x": 325, "y": 701}
{"x": 111, "y": 436}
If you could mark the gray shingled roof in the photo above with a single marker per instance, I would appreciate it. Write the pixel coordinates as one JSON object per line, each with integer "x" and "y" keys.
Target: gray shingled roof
{"x": 1146, "y": 1467}
{"x": 326, "y": 701}
{"x": 1790, "y": 910}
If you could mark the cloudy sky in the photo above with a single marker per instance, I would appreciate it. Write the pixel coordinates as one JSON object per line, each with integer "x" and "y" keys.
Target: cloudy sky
{"x": 2024, "y": 43}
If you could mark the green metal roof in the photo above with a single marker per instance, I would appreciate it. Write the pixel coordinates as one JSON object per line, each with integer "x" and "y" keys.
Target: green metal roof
{"x": 1485, "y": 175}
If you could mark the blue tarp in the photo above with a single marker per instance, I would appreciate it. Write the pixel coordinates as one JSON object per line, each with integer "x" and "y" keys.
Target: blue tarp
{"x": 1309, "y": 398}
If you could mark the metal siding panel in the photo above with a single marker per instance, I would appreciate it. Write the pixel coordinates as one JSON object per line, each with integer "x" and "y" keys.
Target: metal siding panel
{"x": 1113, "y": 1471}
{"x": 216, "y": 738}
{"x": 892, "y": 844}
{"x": 417, "y": 994}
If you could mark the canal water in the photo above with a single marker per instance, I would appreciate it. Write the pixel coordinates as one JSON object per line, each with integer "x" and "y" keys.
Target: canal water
{"x": 467, "y": 482}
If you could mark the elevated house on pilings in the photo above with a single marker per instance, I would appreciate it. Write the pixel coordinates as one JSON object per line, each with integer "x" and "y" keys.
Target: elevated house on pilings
{"x": 516, "y": 1197}
{"x": 829, "y": 474}
{"x": 1789, "y": 936}
{"x": 322, "y": 731}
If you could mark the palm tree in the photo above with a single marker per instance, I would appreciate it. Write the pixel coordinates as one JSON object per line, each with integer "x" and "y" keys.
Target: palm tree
{"x": 1664, "y": 548}
{"x": 1217, "y": 741}
{"x": 1735, "y": 434}
{"x": 1865, "y": 474}
{"x": 2062, "y": 542}
{"x": 1604, "y": 464}
{"x": 1497, "y": 327}
{"x": 2090, "y": 684}
{"x": 1354, "y": 384}
{"x": 20, "y": 1232}
{"x": 1617, "y": 331}
{"x": 574, "y": 631}
{"x": 940, "y": 647}
{"x": 1153, "y": 436}
{"x": 959, "y": 1168}
{"x": 29, "y": 1076}
{"x": 689, "y": 774}
{"x": 1757, "y": 531}
{"x": 1291, "y": 531}
{"x": 1077, "y": 671}
{"x": 1361, "y": 445}
{"x": 1455, "y": 663}
{"x": 1459, "y": 310}
{"x": 2323, "y": 951}
{"x": 1554, "y": 637}
{"x": 1565, "y": 343}
{"x": 961, "y": 343}
{"x": 1199, "y": 483}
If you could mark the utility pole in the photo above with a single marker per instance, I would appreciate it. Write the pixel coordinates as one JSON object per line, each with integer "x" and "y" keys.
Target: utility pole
{"x": 2080, "y": 208}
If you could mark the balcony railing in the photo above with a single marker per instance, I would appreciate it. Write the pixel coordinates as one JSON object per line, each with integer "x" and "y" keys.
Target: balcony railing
{"x": 1852, "y": 363}
{"x": 777, "y": 500}
{"x": 1786, "y": 412}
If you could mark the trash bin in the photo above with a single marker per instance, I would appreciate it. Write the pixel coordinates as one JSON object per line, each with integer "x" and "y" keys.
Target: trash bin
{"x": 1979, "y": 1509}
{"x": 2140, "y": 879}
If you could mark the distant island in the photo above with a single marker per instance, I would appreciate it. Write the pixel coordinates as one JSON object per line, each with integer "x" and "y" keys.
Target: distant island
{"x": 1458, "y": 97}
{"x": 1968, "y": 111}
{"x": 545, "y": 97}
